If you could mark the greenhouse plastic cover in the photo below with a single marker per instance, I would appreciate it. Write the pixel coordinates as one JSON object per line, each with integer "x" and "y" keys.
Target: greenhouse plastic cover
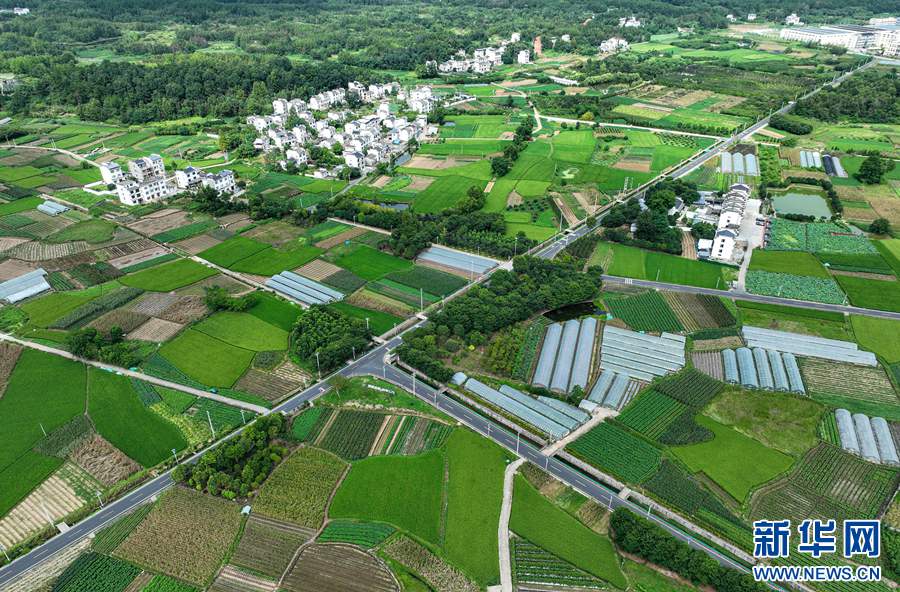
{"x": 793, "y": 372}
{"x": 560, "y": 380}
{"x": 515, "y": 408}
{"x": 886, "y": 448}
{"x": 640, "y": 356}
{"x": 302, "y": 289}
{"x": 729, "y": 359}
{"x": 548, "y": 356}
{"x": 24, "y": 286}
{"x": 747, "y": 367}
{"x": 613, "y": 398}
{"x": 737, "y": 162}
{"x": 581, "y": 367}
{"x": 752, "y": 166}
{"x": 805, "y": 345}
{"x": 573, "y": 412}
{"x": 867, "y": 447}
{"x": 779, "y": 374}
{"x": 726, "y": 162}
{"x": 546, "y": 410}
{"x": 846, "y": 431}
{"x": 462, "y": 261}
{"x": 762, "y": 369}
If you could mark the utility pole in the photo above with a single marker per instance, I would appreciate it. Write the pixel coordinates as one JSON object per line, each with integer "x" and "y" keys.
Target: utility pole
{"x": 3, "y": 548}
{"x": 318, "y": 367}
{"x": 518, "y": 437}
{"x": 211, "y": 428}
{"x": 42, "y": 429}
{"x": 367, "y": 323}
{"x": 99, "y": 498}
{"x": 243, "y": 419}
{"x": 175, "y": 455}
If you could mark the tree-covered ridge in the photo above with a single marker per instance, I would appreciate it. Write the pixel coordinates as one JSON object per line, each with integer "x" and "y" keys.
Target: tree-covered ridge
{"x": 511, "y": 296}
{"x": 872, "y": 96}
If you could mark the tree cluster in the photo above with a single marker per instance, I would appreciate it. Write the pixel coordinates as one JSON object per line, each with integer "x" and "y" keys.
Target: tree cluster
{"x": 239, "y": 466}
{"x": 873, "y": 169}
{"x": 217, "y": 298}
{"x": 500, "y": 165}
{"x": 653, "y": 227}
{"x": 331, "y": 335}
{"x": 789, "y": 124}
{"x": 511, "y": 296}
{"x": 636, "y": 535}
{"x": 109, "y": 347}
{"x": 872, "y": 96}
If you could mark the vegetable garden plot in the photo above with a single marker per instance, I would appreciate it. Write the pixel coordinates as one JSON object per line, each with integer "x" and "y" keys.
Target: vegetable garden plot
{"x": 673, "y": 486}
{"x": 611, "y": 448}
{"x": 650, "y": 413}
{"x": 644, "y": 312}
{"x": 848, "y": 380}
{"x": 338, "y": 568}
{"x": 361, "y": 534}
{"x": 352, "y": 433}
{"x": 299, "y": 488}
{"x": 96, "y": 573}
{"x": 308, "y": 425}
{"x": 534, "y": 565}
{"x": 798, "y": 287}
{"x": 267, "y": 546}
{"x": 109, "y": 538}
{"x": 709, "y": 363}
{"x": 416, "y": 435}
{"x": 439, "y": 574}
{"x": 690, "y": 386}
{"x": 180, "y": 525}
{"x": 828, "y": 482}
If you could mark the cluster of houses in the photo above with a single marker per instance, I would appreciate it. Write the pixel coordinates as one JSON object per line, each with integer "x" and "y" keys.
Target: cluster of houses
{"x": 146, "y": 182}
{"x": 613, "y": 45}
{"x": 726, "y": 213}
{"x": 364, "y": 141}
{"x": 733, "y": 19}
{"x": 881, "y": 35}
{"x": 17, "y": 11}
{"x": 629, "y": 22}
{"x": 483, "y": 59}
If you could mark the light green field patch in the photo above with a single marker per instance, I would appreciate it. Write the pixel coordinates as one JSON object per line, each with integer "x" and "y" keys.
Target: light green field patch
{"x": 245, "y": 331}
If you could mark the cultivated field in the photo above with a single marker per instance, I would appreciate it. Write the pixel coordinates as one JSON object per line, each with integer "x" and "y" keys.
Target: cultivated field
{"x": 339, "y": 568}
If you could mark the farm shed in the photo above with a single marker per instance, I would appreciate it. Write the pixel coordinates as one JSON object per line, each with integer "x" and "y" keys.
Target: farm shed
{"x": 747, "y": 368}
{"x": 513, "y": 407}
{"x": 641, "y": 356}
{"x": 24, "y": 286}
{"x": 729, "y": 360}
{"x": 828, "y": 163}
{"x": 793, "y": 372}
{"x": 779, "y": 374}
{"x": 846, "y": 431}
{"x": 51, "y": 208}
{"x": 762, "y": 369}
{"x": 547, "y": 358}
{"x": 459, "y": 378}
{"x": 567, "y": 345}
{"x": 540, "y": 407}
{"x": 465, "y": 262}
{"x": 581, "y": 367}
{"x": 885, "y": 443}
{"x": 838, "y": 167}
{"x": 807, "y": 345}
{"x": 867, "y": 447}
{"x": 303, "y": 289}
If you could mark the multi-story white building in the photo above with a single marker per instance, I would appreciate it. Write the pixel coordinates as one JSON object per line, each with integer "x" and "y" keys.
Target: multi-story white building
{"x": 751, "y": 17}
{"x": 630, "y": 22}
{"x": 147, "y": 167}
{"x": 187, "y": 177}
{"x": 223, "y": 181}
{"x": 515, "y": 37}
{"x": 792, "y": 20}
{"x": 613, "y": 45}
{"x": 133, "y": 193}
{"x": 524, "y": 57}
{"x": 877, "y": 38}
{"x": 111, "y": 173}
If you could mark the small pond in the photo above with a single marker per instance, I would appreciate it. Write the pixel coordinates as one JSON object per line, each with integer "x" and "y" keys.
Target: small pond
{"x": 805, "y": 204}
{"x": 393, "y": 206}
{"x": 573, "y": 311}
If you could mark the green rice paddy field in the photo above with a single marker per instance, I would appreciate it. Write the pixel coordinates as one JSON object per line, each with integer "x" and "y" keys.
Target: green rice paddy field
{"x": 632, "y": 262}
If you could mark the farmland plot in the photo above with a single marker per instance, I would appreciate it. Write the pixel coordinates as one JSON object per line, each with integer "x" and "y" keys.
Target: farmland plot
{"x": 699, "y": 311}
{"x": 231, "y": 579}
{"x": 650, "y": 413}
{"x": 611, "y": 448}
{"x": 534, "y": 565}
{"x": 97, "y": 573}
{"x": 361, "y": 534}
{"x": 439, "y": 574}
{"x": 339, "y": 568}
{"x": 298, "y": 490}
{"x": 180, "y": 524}
{"x": 103, "y": 461}
{"x": 644, "y": 312}
{"x": 709, "y": 363}
{"x": 352, "y": 433}
{"x": 847, "y": 381}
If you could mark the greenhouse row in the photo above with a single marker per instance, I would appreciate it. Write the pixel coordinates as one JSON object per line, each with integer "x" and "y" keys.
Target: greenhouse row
{"x": 833, "y": 166}
{"x": 465, "y": 262}
{"x": 810, "y": 159}
{"x": 303, "y": 289}
{"x": 865, "y": 437}
{"x": 807, "y": 345}
{"x": 547, "y": 418}
{"x": 763, "y": 369}
{"x": 741, "y": 164}
{"x": 24, "y": 286}
{"x": 640, "y": 356}
{"x": 51, "y": 208}
{"x": 565, "y": 358}
{"x": 609, "y": 391}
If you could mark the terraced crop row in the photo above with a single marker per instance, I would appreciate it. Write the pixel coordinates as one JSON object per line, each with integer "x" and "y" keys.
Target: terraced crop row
{"x": 650, "y": 413}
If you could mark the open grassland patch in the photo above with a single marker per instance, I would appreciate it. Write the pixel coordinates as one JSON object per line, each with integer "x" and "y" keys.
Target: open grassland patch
{"x": 206, "y": 359}
{"x": 552, "y": 528}
{"x": 474, "y": 497}
{"x": 244, "y": 330}
{"x": 169, "y": 276}
{"x": 866, "y": 292}
{"x": 275, "y": 260}
{"x": 267, "y": 546}
{"x": 398, "y": 490}
{"x": 778, "y": 420}
{"x": 231, "y": 251}
{"x": 881, "y": 336}
{"x": 338, "y": 568}
{"x": 180, "y": 524}
{"x": 299, "y": 488}
{"x": 716, "y": 459}
{"x": 43, "y": 390}
{"x": 122, "y": 419}
{"x": 792, "y": 262}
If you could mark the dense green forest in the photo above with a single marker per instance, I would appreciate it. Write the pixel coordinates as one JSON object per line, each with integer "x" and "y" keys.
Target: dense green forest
{"x": 872, "y": 96}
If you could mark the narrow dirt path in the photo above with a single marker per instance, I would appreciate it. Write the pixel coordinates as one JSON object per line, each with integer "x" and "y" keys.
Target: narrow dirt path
{"x": 506, "y": 579}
